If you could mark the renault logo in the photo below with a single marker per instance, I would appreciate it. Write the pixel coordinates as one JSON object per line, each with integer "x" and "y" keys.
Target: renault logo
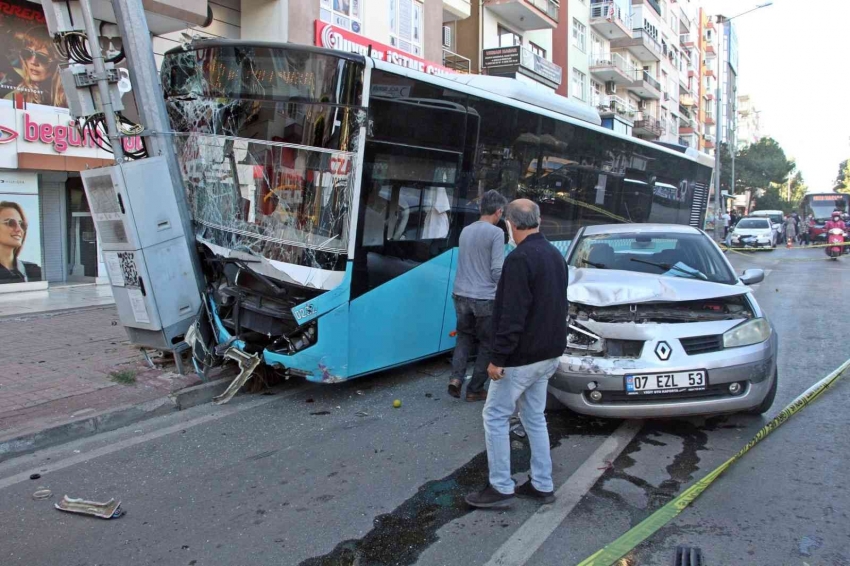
{"x": 663, "y": 351}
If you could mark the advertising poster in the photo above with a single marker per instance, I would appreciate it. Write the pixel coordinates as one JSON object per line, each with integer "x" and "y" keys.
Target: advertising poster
{"x": 29, "y": 64}
{"x": 20, "y": 231}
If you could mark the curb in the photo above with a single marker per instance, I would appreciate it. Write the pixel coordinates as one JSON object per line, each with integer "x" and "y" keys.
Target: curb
{"x": 113, "y": 419}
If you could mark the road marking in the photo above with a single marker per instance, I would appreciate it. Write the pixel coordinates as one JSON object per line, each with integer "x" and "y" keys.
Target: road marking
{"x": 220, "y": 413}
{"x": 518, "y": 549}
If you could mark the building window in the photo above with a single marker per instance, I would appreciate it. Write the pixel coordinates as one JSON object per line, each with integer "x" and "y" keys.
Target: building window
{"x": 579, "y": 35}
{"x": 579, "y": 82}
{"x": 537, "y": 50}
{"x": 405, "y": 25}
{"x": 346, "y": 14}
{"x": 507, "y": 38}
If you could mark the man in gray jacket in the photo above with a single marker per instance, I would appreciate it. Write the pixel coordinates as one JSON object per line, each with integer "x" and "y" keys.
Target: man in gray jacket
{"x": 480, "y": 259}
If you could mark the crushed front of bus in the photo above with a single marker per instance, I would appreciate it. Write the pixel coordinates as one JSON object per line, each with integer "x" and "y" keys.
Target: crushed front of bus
{"x": 267, "y": 140}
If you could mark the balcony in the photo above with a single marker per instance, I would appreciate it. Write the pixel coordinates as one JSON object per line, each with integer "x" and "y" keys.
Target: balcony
{"x": 456, "y": 10}
{"x": 709, "y": 24}
{"x": 709, "y": 73}
{"x": 648, "y": 126}
{"x": 645, "y": 86}
{"x": 456, "y": 62}
{"x": 686, "y": 130}
{"x": 687, "y": 100}
{"x": 612, "y": 67}
{"x": 709, "y": 97}
{"x": 641, "y": 45}
{"x": 526, "y": 15}
{"x": 709, "y": 120}
{"x": 687, "y": 41}
{"x": 610, "y": 20}
{"x": 610, "y": 104}
{"x": 710, "y": 53}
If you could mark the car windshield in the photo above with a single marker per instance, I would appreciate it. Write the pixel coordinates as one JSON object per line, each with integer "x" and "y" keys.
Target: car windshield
{"x": 662, "y": 253}
{"x": 753, "y": 224}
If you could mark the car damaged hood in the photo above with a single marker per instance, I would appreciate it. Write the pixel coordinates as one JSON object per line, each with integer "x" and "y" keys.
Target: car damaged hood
{"x": 605, "y": 288}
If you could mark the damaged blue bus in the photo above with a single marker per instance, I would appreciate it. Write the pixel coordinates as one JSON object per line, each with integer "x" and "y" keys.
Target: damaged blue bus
{"x": 329, "y": 191}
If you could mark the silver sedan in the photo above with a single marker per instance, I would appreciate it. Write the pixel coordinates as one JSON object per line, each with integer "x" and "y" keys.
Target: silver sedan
{"x": 661, "y": 326}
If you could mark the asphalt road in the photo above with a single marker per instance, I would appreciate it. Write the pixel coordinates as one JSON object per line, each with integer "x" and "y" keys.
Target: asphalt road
{"x": 334, "y": 475}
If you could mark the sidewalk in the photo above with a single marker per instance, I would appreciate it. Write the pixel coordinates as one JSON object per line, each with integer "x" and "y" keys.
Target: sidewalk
{"x": 68, "y": 365}
{"x": 56, "y": 298}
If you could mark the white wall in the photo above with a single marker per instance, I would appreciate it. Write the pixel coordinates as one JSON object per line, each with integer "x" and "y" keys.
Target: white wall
{"x": 226, "y": 24}
{"x": 576, "y": 58}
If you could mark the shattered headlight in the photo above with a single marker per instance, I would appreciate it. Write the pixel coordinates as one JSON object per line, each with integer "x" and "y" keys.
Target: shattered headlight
{"x": 751, "y": 332}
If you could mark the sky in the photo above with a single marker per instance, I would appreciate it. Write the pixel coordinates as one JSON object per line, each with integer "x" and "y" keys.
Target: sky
{"x": 795, "y": 63}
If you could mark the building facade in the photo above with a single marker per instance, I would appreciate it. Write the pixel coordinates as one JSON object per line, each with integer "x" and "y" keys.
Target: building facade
{"x": 748, "y": 128}
{"x": 513, "y": 38}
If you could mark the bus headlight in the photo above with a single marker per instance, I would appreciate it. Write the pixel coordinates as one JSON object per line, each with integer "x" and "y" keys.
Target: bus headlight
{"x": 751, "y": 332}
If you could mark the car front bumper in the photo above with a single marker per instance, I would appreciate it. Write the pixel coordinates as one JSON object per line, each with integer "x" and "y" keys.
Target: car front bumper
{"x": 754, "y": 367}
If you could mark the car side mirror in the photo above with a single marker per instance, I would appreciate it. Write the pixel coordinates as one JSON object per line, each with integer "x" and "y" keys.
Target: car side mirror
{"x": 752, "y": 276}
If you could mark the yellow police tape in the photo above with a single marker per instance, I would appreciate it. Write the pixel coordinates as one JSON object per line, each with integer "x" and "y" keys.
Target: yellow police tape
{"x": 626, "y": 543}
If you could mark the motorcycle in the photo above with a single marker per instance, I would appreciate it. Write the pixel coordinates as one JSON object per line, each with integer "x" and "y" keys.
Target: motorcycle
{"x": 835, "y": 236}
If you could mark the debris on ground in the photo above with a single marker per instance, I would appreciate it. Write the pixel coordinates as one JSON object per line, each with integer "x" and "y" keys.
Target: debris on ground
{"x": 360, "y": 392}
{"x": 321, "y": 413}
{"x": 109, "y": 510}
{"x": 247, "y": 365}
{"x": 518, "y": 430}
{"x": 362, "y": 414}
{"x": 35, "y": 476}
{"x": 42, "y": 493}
{"x": 397, "y": 403}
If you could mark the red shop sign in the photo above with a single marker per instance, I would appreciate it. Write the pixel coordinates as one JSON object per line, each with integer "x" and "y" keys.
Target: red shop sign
{"x": 332, "y": 37}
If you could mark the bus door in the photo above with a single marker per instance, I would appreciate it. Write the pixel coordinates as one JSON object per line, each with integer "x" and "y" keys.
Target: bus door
{"x": 402, "y": 260}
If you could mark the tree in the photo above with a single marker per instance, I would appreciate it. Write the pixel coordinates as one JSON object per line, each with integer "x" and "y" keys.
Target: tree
{"x": 762, "y": 163}
{"x": 842, "y": 182}
{"x": 798, "y": 189}
{"x": 771, "y": 200}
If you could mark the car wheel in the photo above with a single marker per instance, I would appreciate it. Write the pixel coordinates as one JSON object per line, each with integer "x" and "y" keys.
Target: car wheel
{"x": 765, "y": 405}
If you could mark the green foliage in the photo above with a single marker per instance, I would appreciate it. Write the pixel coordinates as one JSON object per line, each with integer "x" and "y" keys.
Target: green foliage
{"x": 842, "y": 181}
{"x": 762, "y": 163}
{"x": 798, "y": 189}
{"x": 124, "y": 377}
{"x": 772, "y": 200}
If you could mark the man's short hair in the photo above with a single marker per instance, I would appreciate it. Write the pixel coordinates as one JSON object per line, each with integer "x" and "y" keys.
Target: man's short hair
{"x": 523, "y": 217}
{"x": 491, "y": 202}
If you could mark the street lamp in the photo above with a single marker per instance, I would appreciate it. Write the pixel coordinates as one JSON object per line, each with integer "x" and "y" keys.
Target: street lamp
{"x": 718, "y": 229}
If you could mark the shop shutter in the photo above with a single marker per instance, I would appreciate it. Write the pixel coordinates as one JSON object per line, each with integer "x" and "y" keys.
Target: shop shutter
{"x": 51, "y": 231}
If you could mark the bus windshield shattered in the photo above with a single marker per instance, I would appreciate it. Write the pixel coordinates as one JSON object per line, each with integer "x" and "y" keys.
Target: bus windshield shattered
{"x": 266, "y": 140}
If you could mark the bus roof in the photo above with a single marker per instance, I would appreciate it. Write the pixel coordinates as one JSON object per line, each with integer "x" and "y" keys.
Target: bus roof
{"x": 457, "y": 82}
{"x": 499, "y": 89}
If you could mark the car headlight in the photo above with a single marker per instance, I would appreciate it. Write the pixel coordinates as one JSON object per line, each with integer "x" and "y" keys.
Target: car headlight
{"x": 751, "y": 332}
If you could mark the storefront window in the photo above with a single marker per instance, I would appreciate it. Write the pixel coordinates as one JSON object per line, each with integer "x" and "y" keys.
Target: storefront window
{"x": 20, "y": 229}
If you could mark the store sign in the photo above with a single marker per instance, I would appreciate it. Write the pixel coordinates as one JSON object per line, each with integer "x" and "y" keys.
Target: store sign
{"x": 517, "y": 56}
{"x": 332, "y": 37}
{"x": 502, "y": 57}
{"x": 62, "y": 137}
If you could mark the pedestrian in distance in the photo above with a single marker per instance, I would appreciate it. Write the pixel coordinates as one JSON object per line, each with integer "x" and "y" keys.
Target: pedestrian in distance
{"x": 805, "y": 226}
{"x": 480, "y": 257}
{"x": 530, "y": 330}
{"x": 727, "y": 219}
{"x": 790, "y": 229}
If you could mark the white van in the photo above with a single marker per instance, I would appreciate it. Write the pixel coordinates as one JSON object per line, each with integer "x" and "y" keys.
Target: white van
{"x": 777, "y": 220}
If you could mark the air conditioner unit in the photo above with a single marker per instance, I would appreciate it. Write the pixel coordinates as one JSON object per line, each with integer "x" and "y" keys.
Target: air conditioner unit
{"x": 610, "y": 87}
{"x": 447, "y": 36}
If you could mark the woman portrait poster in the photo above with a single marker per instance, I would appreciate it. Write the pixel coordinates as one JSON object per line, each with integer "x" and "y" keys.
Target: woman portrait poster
{"x": 14, "y": 229}
{"x": 29, "y": 64}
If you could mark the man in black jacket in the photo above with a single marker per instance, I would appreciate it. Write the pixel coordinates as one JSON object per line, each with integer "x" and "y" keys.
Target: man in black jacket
{"x": 530, "y": 334}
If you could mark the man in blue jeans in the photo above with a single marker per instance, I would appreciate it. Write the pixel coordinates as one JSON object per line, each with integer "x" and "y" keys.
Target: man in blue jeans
{"x": 479, "y": 266}
{"x": 530, "y": 333}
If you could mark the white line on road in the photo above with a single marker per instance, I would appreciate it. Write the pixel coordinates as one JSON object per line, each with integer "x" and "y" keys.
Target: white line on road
{"x": 220, "y": 413}
{"x": 518, "y": 549}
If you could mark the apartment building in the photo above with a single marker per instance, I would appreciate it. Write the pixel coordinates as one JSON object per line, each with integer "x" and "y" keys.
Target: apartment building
{"x": 728, "y": 75}
{"x": 748, "y": 128}
{"x": 511, "y": 38}
{"x": 690, "y": 90}
{"x": 708, "y": 79}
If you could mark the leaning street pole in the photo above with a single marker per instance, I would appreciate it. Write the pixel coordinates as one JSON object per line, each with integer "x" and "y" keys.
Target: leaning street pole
{"x": 718, "y": 130}
{"x": 138, "y": 48}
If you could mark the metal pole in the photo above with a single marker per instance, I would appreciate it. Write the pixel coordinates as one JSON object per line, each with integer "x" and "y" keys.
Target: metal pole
{"x": 138, "y": 47}
{"x": 718, "y": 227}
{"x": 102, "y": 83}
